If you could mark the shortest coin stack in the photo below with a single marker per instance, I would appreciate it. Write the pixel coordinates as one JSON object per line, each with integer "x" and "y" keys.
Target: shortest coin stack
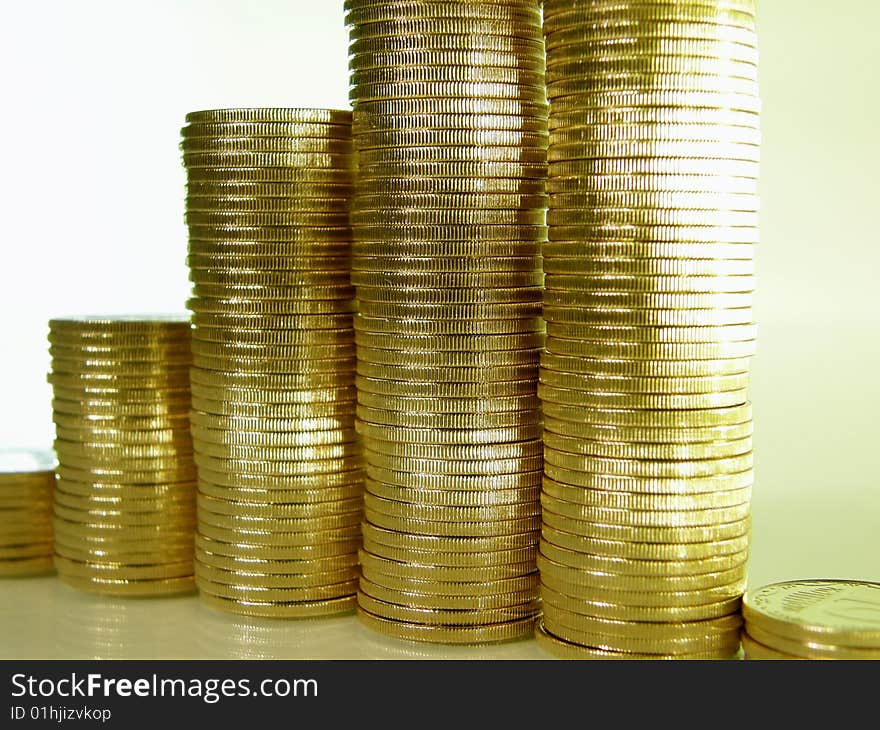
{"x": 125, "y": 497}
{"x": 813, "y": 619}
{"x": 26, "y": 482}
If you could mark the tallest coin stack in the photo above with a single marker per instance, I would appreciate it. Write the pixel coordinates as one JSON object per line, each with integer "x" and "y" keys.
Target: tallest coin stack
{"x": 653, "y": 161}
{"x": 450, "y": 127}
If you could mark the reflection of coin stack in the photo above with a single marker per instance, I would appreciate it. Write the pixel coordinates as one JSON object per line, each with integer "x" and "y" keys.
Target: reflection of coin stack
{"x": 125, "y": 498}
{"x": 813, "y": 619}
{"x": 27, "y": 479}
{"x": 280, "y": 486}
{"x": 649, "y": 271}
{"x": 448, "y": 216}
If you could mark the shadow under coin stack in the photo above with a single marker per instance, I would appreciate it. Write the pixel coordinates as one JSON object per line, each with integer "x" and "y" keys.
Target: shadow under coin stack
{"x": 27, "y": 481}
{"x": 280, "y": 483}
{"x": 125, "y": 496}
{"x": 448, "y": 217}
{"x": 653, "y": 159}
{"x": 813, "y": 619}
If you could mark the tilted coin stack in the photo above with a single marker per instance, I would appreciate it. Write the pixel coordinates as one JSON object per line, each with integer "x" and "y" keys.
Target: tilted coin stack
{"x": 280, "y": 480}
{"x": 448, "y": 217}
{"x": 27, "y": 482}
{"x": 813, "y": 619}
{"x": 125, "y": 495}
{"x": 653, "y": 159}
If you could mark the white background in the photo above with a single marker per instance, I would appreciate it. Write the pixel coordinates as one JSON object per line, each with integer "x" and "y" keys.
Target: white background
{"x": 94, "y": 94}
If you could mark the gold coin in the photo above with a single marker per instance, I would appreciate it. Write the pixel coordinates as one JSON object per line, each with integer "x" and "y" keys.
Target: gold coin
{"x": 433, "y": 586}
{"x": 428, "y": 186}
{"x": 493, "y": 344}
{"x": 829, "y": 612}
{"x": 517, "y": 157}
{"x": 244, "y": 552}
{"x": 306, "y": 576}
{"x": 277, "y": 539}
{"x": 709, "y": 417}
{"x": 649, "y": 598}
{"x": 454, "y": 559}
{"x": 404, "y": 295}
{"x": 259, "y": 365}
{"x": 647, "y": 267}
{"x": 75, "y": 568}
{"x": 35, "y": 549}
{"x": 229, "y": 583}
{"x": 446, "y": 265}
{"x": 642, "y": 401}
{"x": 357, "y": 14}
{"x": 271, "y": 511}
{"x": 810, "y": 649}
{"x": 638, "y": 501}
{"x": 281, "y": 410}
{"x": 130, "y": 587}
{"x": 567, "y": 650}
{"x": 421, "y": 389}
{"x": 152, "y": 450}
{"x": 449, "y": 545}
{"x": 650, "y": 469}
{"x": 592, "y": 563}
{"x": 169, "y": 324}
{"x": 98, "y": 500}
{"x": 602, "y": 383}
{"x": 335, "y": 162}
{"x": 291, "y": 189}
{"x": 256, "y": 594}
{"x": 448, "y": 404}
{"x": 553, "y": 620}
{"x": 303, "y": 609}
{"x": 520, "y": 122}
{"x": 236, "y": 269}
{"x": 183, "y": 473}
{"x": 323, "y": 495}
{"x": 625, "y": 317}
{"x": 266, "y": 145}
{"x": 755, "y": 651}
{"x": 416, "y": 339}
{"x": 594, "y": 366}
{"x": 643, "y": 550}
{"x": 457, "y": 452}
{"x": 654, "y": 533}
{"x": 562, "y": 90}
{"x": 454, "y": 137}
{"x": 475, "y": 42}
{"x": 652, "y": 301}
{"x": 449, "y": 436}
{"x": 124, "y": 492}
{"x": 445, "y": 602}
{"x": 484, "y": 634}
{"x": 288, "y": 116}
{"x": 150, "y": 427}
{"x": 97, "y": 553}
{"x": 473, "y": 467}
{"x": 124, "y": 438}
{"x": 738, "y": 31}
{"x": 290, "y": 235}
{"x": 178, "y": 515}
{"x": 487, "y": 169}
{"x": 237, "y": 479}
{"x": 638, "y": 67}
{"x": 456, "y": 482}
{"x": 445, "y": 573}
{"x": 26, "y": 566}
{"x": 270, "y": 381}
{"x": 413, "y": 419}
{"x": 454, "y": 529}
{"x": 654, "y": 166}
{"x": 258, "y": 128}
{"x": 653, "y": 284}
{"x": 601, "y": 580}
{"x": 264, "y": 425}
{"x": 278, "y": 524}
{"x": 236, "y": 306}
{"x": 447, "y": 513}
{"x": 441, "y": 217}
{"x": 265, "y": 218}
{"x": 417, "y": 614}
{"x": 244, "y": 398}
{"x": 484, "y": 76}
{"x": 623, "y": 612}
{"x": 643, "y": 217}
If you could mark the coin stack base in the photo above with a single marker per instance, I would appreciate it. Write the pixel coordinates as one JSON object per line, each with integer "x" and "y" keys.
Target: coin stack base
{"x": 448, "y": 217}
{"x": 124, "y": 501}
{"x": 280, "y": 481}
{"x": 813, "y": 619}
{"x": 27, "y": 482}
{"x": 649, "y": 273}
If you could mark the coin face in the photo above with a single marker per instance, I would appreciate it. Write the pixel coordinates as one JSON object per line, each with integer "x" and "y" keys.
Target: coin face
{"x": 845, "y": 613}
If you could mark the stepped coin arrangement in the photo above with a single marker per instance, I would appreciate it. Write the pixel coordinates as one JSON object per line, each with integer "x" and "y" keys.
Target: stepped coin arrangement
{"x": 653, "y": 160}
{"x": 280, "y": 481}
{"x": 448, "y": 216}
{"x": 813, "y": 619}
{"x": 125, "y": 495}
{"x": 27, "y": 483}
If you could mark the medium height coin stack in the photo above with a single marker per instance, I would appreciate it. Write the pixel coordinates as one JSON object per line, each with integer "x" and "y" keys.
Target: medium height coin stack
{"x": 448, "y": 217}
{"x": 280, "y": 481}
{"x": 653, "y": 161}
{"x": 125, "y": 495}
{"x": 27, "y": 483}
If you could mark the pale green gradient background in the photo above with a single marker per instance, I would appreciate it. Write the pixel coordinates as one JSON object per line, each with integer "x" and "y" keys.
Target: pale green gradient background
{"x": 92, "y": 190}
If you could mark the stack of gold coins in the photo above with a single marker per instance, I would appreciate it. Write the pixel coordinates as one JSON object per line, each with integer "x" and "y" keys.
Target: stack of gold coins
{"x": 448, "y": 217}
{"x": 27, "y": 480}
{"x": 813, "y": 619}
{"x": 653, "y": 159}
{"x": 280, "y": 479}
{"x": 125, "y": 497}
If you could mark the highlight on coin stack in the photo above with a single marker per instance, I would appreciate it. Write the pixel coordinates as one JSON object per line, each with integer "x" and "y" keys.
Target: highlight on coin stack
{"x": 812, "y": 619}
{"x": 450, "y": 126}
{"x": 280, "y": 481}
{"x": 653, "y": 162}
{"x": 27, "y": 481}
{"x": 125, "y": 496}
